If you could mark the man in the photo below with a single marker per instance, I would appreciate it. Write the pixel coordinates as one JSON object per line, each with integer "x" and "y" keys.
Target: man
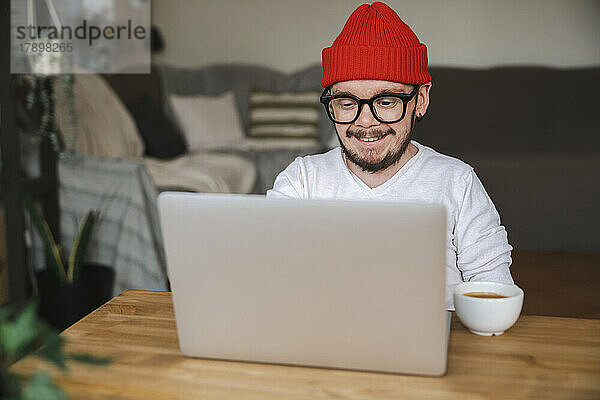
{"x": 376, "y": 85}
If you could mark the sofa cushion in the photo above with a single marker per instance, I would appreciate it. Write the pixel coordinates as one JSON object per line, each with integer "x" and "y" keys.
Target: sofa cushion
{"x": 130, "y": 87}
{"x": 103, "y": 126}
{"x": 162, "y": 138}
{"x": 284, "y": 117}
{"x": 284, "y": 114}
{"x": 208, "y": 122}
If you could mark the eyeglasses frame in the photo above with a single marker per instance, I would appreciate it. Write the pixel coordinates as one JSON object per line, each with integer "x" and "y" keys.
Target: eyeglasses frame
{"x": 325, "y": 99}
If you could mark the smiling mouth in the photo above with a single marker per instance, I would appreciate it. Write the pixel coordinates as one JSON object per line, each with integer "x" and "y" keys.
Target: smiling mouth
{"x": 371, "y": 139}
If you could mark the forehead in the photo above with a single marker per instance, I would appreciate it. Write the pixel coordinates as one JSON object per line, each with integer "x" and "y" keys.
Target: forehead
{"x": 369, "y": 87}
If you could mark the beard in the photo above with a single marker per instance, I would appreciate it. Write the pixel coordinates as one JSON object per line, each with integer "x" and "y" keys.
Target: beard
{"x": 389, "y": 159}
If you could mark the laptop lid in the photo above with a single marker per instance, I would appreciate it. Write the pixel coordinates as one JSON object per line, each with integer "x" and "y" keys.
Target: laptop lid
{"x": 342, "y": 284}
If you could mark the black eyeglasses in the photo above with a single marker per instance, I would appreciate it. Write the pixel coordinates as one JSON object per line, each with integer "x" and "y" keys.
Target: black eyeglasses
{"x": 385, "y": 107}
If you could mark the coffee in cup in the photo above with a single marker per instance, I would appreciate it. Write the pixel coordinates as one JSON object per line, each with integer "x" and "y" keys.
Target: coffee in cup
{"x": 485, "y": 295}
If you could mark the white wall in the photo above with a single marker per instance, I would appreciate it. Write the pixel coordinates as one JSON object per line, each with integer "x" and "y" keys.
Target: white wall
{"x": 289, "y": 34}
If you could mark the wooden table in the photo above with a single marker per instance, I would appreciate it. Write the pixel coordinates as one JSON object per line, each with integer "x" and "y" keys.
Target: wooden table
{"x": 540, "y": 357}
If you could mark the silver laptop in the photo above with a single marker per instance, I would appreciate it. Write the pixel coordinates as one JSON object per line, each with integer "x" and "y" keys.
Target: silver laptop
{"x": 338, "y": 284}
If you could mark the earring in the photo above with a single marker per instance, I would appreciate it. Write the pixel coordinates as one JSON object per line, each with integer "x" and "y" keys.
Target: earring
{"x": 419, "y": 118}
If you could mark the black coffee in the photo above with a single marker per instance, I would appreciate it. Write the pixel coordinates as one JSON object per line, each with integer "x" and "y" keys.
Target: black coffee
{"x": 485, "y": 295}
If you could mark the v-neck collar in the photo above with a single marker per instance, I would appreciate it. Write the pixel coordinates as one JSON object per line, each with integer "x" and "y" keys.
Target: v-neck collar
{"x": 393, "y": 179}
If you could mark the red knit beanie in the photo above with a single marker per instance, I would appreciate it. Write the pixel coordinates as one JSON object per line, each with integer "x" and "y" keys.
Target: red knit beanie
{"x": 375, "y": 44}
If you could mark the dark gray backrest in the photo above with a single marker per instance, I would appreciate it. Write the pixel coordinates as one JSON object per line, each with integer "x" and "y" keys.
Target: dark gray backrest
{"x": 513, "y": 110}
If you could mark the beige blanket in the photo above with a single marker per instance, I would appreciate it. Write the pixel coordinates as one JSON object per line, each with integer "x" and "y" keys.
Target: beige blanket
{"x": 203, "y": 172}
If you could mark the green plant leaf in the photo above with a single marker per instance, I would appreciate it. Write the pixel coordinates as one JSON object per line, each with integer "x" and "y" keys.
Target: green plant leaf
{"x": 79, "y": 246}
{"x": 52, "y": 349}
{"x": 19, "y": 335}
{"x": 86, "y": 358}
{"x": 41, "y": 387}
{"x": 56, "y": 263}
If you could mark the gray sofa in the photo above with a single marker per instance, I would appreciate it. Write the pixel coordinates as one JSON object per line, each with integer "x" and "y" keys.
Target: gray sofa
{"x": 532, "y": 135}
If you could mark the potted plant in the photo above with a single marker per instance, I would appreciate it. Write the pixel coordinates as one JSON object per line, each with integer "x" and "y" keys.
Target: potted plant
{"x": 69, "y": 290}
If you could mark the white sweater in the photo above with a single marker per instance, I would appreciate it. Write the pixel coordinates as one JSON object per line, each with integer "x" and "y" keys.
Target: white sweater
{"x": 477, "y": 247}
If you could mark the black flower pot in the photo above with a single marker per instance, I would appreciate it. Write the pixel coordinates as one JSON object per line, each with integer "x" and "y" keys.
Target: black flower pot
{"x": 62, "y": 304}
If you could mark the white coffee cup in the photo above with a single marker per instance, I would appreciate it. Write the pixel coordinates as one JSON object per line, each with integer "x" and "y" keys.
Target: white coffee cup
{"x": 488, "y": 316}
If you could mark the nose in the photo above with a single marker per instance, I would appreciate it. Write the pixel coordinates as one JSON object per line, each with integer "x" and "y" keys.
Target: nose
{"x": 366, "y": 119}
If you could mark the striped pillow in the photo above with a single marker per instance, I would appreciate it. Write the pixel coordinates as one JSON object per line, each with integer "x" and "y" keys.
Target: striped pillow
{"x": 285, "y": 115}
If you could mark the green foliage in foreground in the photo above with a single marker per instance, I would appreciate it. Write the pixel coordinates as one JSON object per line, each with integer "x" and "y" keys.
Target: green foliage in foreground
{"x": 22, "y": 333}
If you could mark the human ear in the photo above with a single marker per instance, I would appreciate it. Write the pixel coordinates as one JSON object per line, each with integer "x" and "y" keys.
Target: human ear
{"x": 423, "y": 100}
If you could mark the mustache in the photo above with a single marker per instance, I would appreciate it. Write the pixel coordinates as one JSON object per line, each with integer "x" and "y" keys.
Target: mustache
{"x": 360, "y": 133}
